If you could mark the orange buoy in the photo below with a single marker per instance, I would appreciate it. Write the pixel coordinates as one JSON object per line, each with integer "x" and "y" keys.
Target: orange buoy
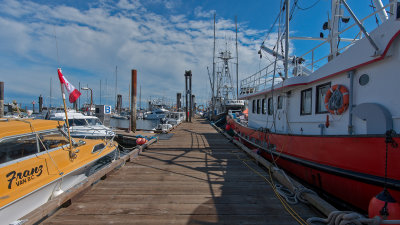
{"x": 144, "y": 140}
{"x": 139, "y": 141}
{"x": 345, "y": 96}
{"x": 384, "y": 206}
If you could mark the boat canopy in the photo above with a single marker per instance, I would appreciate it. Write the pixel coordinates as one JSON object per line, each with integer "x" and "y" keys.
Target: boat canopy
{"x": 13, "y": 127}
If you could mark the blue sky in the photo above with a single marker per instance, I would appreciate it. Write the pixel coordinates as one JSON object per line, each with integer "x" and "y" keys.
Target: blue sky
{"x": 159, "y": 38}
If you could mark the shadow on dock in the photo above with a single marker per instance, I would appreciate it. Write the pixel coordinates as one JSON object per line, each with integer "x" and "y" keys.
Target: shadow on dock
{"x": 195, "y": 176}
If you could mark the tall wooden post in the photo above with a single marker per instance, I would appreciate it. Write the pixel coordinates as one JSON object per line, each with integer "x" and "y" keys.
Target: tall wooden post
{"x": 41, "y": 103}
{"x": 186, "y": 96}
{"x": 133, "y": 100}
{"x": 1, "y": 99}
{"x": 190, "y": 96}
{"x": 178, "y": 101}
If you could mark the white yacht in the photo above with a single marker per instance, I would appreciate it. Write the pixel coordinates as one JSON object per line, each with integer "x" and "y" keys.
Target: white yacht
{"x": 84, "y": 126}
{"x": 156, "y": 114}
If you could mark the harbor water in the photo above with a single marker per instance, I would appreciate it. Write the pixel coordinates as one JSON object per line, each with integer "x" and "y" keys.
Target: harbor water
{"x": 140, "y": 124}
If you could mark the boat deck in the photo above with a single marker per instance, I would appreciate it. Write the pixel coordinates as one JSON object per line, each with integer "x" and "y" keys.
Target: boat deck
{"x": 193, "y": 175}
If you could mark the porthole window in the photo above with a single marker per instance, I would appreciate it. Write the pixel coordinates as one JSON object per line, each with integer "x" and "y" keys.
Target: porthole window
{"x": 363, "y": 80}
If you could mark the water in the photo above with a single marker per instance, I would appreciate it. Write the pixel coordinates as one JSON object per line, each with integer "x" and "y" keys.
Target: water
{"x": 140, "y": 124}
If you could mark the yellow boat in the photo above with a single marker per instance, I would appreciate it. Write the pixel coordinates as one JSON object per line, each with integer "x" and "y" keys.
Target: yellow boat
{"x": 37, "y": 164}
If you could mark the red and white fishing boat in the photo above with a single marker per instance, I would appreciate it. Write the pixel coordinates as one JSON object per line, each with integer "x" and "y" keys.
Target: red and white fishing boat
{"x": 336, "y": 127}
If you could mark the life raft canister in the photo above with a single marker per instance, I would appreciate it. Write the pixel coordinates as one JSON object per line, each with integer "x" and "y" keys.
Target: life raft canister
{"x": 337, "y": 99}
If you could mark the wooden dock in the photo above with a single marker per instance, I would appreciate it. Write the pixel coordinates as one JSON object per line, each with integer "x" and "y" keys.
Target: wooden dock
{"x": 194, "y": 175}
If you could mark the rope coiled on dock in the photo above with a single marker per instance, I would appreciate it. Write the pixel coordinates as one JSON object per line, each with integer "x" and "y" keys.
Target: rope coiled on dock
{"x": 344, "y": 218}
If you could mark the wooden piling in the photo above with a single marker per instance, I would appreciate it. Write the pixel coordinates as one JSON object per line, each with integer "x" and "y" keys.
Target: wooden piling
{"x": 133, "y": 100}
{"x": 186, "y": 97}
{"x": 190, "y": 96}
{"x": 41, "y": 103}
{"x": 1, "y": 99}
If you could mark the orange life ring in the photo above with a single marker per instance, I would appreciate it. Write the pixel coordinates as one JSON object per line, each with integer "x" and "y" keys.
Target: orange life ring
{"x": 345, "y": 104}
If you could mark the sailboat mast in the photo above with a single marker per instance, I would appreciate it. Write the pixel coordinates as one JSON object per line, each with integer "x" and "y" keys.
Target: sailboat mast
{"x": 213, "y": 84}
{"x": 237, "y": 63}
{"x": 100, "y": 92}
{"x": 287, "y": 39}
{"x": 50, "y": 93}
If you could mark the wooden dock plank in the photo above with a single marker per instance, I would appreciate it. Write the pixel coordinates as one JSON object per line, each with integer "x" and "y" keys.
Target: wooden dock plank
{"x": 195, "y": 177}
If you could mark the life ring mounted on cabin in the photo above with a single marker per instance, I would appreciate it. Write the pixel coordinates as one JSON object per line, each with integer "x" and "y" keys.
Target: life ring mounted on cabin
{"x": 337, "y": 99}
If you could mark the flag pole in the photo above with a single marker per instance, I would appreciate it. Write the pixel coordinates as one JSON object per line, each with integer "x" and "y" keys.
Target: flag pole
{"x": 72, "y": 155}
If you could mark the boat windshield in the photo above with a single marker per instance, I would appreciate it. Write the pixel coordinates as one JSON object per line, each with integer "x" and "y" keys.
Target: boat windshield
{"x": 77, "y": 122}
{"x": 94, "y": 121}
{"x": 12, "y": 148}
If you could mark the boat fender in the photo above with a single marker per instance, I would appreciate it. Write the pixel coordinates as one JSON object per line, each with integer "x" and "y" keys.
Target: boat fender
{"x": 227, "y": 127}
{"x": 337, "y": 99}
{"x": 384, "y": 206}
{"x": 139, "y": 141}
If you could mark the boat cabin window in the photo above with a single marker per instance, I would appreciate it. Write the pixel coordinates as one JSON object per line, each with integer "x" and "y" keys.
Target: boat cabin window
{"x": 77, "y": 122}
{"x": 280, "y": 102}
{"x": 98, "y": 147}
{"x": 13, "y": 148}
{"x": 258, "y": 106}
{"x": 253, "y": 106}
{"x": 263, "y": 106}
{"x": 321, "y": 92}
{"x": 52, "y": 139}
{"x": 270, "y": 106}
{"x": 94, "y": 121}
{"x": 306, "y": 102}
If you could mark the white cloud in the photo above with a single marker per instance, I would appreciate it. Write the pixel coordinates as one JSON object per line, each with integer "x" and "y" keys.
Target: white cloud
{"x": 198, "y": 12}
{"x": 92, "y": 42}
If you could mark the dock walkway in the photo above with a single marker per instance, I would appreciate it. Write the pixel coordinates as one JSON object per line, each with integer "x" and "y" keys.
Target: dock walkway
{"x": 192, "y": 176}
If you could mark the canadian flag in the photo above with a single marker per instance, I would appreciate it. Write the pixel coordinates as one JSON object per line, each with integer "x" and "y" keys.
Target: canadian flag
{"x": 72, "y": 91}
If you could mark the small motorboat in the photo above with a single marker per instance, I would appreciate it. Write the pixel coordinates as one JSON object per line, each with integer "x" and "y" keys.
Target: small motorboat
{"x": 37, "y": 163}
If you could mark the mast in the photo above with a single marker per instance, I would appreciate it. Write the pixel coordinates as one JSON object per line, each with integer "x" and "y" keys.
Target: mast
{"x": 237, "y": 63}
{"x": 50, "y": 93}
{"x": 213, "y": 71}
{"x": 100, "y": 92}
{"x": 383, "y": 16}
{"x": 140, "y": 97}
{"x": 334, "y": 26}
{"x": 287, "y": 39}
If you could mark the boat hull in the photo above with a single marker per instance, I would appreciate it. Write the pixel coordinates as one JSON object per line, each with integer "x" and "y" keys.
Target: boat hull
{"x": 29, "y": 202}
{"x": 350, "y": 168}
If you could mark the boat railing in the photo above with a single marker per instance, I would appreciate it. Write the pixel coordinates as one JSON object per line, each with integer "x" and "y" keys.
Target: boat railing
{"x": 259, "y": 80}
{"x": 263, "y": 79}
{"x": 316, "y": 63}
{"x": 234, "y": 102}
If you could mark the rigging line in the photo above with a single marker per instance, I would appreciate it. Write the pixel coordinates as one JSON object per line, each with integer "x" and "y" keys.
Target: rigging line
{"x": 273, "y": 25}
{"x": 293, "y": 9}
{"x": 308, "y": 7}
{"x": 55, "y": 37}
